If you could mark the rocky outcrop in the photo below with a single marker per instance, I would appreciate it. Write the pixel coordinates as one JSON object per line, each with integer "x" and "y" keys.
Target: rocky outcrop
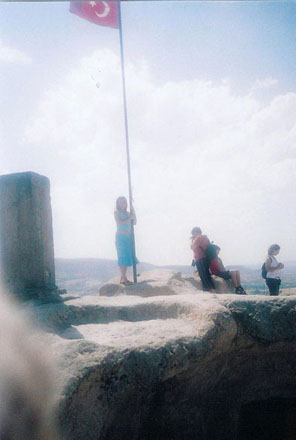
{"x": 162, "y": 282}
{"x": 177, "y": 366}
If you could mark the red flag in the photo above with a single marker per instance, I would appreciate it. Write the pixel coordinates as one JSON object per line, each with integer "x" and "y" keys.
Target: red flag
{"x": 103, "y": 13}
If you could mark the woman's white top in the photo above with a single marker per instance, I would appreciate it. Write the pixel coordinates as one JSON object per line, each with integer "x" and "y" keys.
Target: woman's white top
{"x": 275, "y": 273}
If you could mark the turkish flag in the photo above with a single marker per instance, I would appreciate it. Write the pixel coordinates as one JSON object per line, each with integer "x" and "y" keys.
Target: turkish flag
{"x": 102, "y": 13}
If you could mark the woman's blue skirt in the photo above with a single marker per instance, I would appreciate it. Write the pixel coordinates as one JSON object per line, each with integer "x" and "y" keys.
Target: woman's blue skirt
{"x": 124, "y": 250}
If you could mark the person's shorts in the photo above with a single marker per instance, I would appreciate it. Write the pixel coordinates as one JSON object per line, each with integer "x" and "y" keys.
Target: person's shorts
{"x": 225, "y": 275}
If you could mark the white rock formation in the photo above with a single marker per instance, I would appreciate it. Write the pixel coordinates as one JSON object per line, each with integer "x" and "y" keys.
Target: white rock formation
{"x": 175, "y": 366}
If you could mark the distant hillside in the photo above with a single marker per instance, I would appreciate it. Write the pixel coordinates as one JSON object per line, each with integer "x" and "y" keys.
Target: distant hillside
{"x": 86, "y": 275}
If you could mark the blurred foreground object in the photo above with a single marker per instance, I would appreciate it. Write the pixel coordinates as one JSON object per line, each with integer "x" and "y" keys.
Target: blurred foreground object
{"x": 26, "y": 235}
{"x": 27, "y": 378}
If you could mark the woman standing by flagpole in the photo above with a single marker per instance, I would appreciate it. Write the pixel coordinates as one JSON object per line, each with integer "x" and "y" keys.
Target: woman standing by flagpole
{"x": 133, "y": 242}
{"x": 108, "y": 13}
{"x": 124, "y": 221}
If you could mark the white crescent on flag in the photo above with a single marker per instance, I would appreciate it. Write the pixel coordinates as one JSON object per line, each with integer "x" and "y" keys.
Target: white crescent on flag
{"x": 106, "y": 11}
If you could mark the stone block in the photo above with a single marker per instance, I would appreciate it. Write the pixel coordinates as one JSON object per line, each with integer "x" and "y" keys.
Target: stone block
{"x": 26, "y": 234}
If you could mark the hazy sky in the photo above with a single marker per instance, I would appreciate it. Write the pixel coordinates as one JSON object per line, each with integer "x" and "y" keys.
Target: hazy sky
{"x": 211, "y": 89}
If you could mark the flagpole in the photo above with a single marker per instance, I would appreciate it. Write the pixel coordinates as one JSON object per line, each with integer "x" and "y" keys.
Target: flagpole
{"x": 127, "y": 143}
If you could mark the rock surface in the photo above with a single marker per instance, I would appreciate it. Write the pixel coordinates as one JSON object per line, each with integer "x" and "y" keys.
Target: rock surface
{"x": 178, "y": 366}
{"x": 162, "y": 282}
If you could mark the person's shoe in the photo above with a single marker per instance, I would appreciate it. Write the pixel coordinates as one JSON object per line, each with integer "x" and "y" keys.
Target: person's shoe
{"x": 240, "y": 290}
{"x": 126, "y": 283}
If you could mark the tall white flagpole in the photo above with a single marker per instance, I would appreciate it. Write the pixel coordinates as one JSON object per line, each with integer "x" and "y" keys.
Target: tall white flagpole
{"x": 127, "y": 141}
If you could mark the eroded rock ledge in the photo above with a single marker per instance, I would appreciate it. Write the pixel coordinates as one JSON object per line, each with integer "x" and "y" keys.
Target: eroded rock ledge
{"x": 183, "y": 366}
{"x": 163, "y": 282}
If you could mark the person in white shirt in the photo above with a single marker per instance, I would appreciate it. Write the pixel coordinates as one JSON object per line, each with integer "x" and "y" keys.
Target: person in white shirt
{"x": 273, "y": 268}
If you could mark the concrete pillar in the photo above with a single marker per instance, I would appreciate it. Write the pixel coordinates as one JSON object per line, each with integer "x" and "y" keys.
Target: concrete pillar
{"x": 26, "y": 235}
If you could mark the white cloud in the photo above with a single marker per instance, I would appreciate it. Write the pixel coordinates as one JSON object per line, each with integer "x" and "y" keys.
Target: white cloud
{"x": 11, "y": 55}
{"x": 265, "y": 83}
{"x": 201, "y": 155}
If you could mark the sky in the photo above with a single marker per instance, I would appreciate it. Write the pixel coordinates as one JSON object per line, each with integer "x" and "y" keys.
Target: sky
{"x": 211, "y": 96}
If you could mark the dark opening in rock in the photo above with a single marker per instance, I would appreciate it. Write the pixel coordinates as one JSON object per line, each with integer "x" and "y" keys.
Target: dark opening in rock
{"x": 271, "y": 419}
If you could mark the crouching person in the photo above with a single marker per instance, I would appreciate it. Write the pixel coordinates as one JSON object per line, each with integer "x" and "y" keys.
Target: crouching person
{"x": 199, "y": 244}
{"x": 217, "y": 268}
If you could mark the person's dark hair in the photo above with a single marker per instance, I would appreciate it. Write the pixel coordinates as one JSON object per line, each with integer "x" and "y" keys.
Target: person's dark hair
{"x": 117, "y": 202}
{"x": 272, "y": 248}
{"x": 217, "y": 248}
{"x": 196, "y": 230}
